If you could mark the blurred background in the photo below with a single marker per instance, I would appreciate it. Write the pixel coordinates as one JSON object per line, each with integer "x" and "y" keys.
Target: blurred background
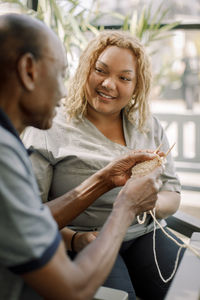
{"x": 170, "y": 31}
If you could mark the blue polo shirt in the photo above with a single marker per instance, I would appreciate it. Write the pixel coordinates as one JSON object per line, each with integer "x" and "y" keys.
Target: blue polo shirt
{"x": 29, "y": 236}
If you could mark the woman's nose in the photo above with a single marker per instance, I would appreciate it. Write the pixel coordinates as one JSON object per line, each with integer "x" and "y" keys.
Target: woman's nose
{"x": 109, "y": 83}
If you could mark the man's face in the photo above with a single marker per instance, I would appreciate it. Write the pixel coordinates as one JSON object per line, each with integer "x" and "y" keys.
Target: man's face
{"x": 49, "y": 86}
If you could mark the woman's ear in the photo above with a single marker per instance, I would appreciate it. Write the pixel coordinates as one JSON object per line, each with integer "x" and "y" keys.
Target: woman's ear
{"x": 27, "y": 71}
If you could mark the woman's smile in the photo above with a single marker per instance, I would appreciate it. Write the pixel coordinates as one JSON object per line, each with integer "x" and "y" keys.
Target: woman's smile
{"x": 110, "y": 86}
{"x": 105, "y": 96}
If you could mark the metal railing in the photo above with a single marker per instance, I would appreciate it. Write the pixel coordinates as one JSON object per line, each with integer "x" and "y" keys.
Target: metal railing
{"x": 184, "y": 129}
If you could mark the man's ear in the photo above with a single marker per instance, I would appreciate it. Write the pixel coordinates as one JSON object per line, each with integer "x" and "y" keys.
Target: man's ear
{"x": 27, "y": 71}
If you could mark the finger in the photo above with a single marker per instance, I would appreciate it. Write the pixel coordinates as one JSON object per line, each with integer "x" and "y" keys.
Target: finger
{"x": 142, "y": 156}
{"x": 160, "y": 153}
{"x": 143, "y": 151}
{"x": 95, "y": 233}
{"x": 91, "y": 237}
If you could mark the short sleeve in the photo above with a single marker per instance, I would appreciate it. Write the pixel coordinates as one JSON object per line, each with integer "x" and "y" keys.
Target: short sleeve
{"x": 29, "y": 235}
{"x": 43, "y": 171}
{"x": 42, "y": 166}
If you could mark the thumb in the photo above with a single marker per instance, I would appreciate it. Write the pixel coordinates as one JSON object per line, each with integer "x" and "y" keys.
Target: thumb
{"x": 92, "y": 237}
{"x": 143, "y": 156}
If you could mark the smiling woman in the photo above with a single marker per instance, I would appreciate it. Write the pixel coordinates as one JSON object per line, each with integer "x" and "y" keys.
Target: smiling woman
{"x": 115, "y": 61}
{"x": 109, "y": 89}
{"x": 112, "y": 83}
{"x": 108, "y": 114}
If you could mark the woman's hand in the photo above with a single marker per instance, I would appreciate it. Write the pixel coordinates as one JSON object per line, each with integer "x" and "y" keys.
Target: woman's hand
{"x": 82, "y": 239}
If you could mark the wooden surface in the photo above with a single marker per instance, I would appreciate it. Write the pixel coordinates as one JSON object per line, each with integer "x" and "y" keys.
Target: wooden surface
{"x": 186, "y": 283}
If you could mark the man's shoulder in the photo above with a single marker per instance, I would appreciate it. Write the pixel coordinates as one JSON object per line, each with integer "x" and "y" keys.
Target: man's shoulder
{"x": 8, "y": 139}
{"x": 13, "y": 154}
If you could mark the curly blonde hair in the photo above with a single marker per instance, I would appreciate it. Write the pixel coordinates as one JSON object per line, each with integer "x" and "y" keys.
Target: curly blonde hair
{"x": 137, "y": 110}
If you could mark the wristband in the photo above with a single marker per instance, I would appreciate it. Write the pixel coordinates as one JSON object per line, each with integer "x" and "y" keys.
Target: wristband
{"x": 72, "y": 241}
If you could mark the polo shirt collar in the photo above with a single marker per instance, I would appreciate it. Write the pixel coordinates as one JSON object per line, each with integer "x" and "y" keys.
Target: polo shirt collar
{"x": 7, "y": 124}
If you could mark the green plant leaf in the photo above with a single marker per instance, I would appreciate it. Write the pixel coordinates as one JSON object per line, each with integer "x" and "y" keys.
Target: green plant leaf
{"x": 126, "y": 23}
{"x": 133, "y": 23}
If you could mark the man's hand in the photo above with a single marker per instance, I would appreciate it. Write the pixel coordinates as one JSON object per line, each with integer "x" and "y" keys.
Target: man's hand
{"x": 67, "y": 207}
{"x": 140, "y": 194}
{"x": 119, "y": 170}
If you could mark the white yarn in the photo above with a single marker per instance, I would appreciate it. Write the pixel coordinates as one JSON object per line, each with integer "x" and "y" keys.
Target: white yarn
{"x": 155, "y": 256}
{"x": 141, "y": 170}
{"x": 143, "y": 218}
{"x": 184, "y": 245}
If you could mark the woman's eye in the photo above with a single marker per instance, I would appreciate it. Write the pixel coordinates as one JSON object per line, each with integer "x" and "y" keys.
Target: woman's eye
{"x": 125, "y": 78}
{"x": 99, "y": 70}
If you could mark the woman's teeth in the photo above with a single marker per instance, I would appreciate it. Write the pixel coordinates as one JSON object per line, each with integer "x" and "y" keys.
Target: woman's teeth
{"x": 105, "y": 96}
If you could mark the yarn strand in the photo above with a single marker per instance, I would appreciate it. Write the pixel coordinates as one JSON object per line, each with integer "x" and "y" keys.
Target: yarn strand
{"x": 181, "y": 246}
{"x": 141, "y": 221}
{"x": 155, "y": 255}
{"x": 185, "y": 245}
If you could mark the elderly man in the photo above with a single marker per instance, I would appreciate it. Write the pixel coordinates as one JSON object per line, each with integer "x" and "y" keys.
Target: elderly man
{"x": 33, "y": 261}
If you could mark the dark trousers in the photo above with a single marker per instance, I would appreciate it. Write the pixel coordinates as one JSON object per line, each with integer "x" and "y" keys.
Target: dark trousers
{"x": 135, "y": 270}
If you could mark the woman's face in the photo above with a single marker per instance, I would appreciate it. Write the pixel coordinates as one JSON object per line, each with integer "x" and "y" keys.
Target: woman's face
{"x": 111, "y": 81}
